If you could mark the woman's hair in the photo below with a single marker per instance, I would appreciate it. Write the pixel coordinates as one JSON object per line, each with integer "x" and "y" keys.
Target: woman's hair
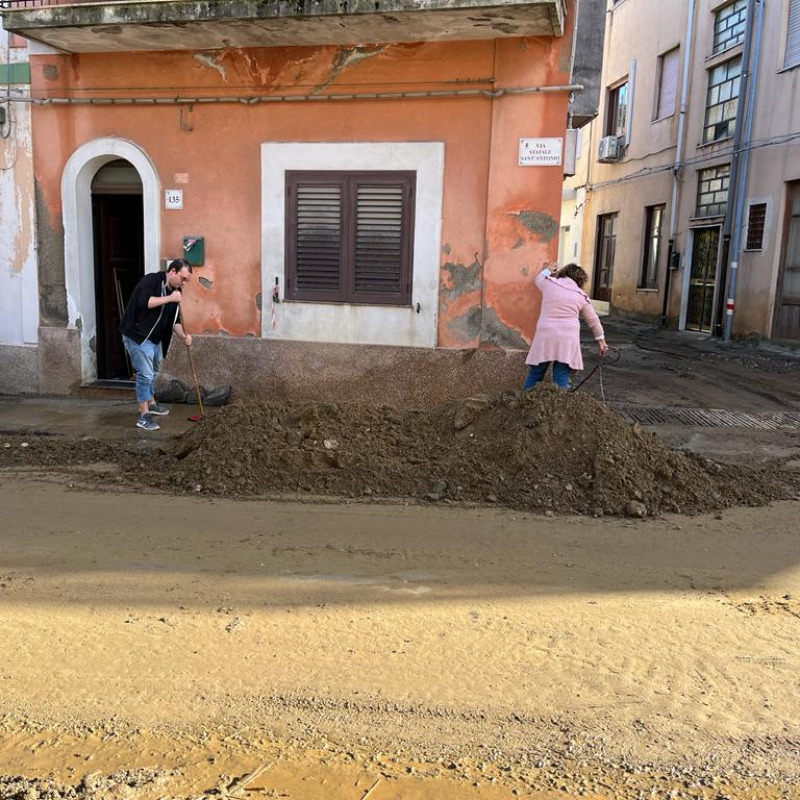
{"x": 575, "y": 272}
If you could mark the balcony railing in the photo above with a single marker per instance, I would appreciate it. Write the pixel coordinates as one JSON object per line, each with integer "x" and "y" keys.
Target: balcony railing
{"x": 26, "y": 3}
{"x": 12, "y": 4}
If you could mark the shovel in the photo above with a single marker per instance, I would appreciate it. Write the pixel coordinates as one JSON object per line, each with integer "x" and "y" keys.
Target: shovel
{"x": 179, "y": 317}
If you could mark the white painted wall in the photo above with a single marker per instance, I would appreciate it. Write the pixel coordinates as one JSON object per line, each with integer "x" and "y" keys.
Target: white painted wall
{"x": 342, "y": 322}
{"x": 19, "y": 302}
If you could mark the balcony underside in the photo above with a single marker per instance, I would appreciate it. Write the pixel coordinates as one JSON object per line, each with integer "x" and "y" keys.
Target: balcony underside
{"x": 217, "y": 24}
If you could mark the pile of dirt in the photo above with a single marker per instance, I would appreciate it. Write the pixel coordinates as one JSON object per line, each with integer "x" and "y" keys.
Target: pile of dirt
{"x": 545, "y": 450}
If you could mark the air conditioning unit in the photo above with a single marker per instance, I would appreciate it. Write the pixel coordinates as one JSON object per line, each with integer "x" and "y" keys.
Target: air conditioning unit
{"x": 610, "y": 149}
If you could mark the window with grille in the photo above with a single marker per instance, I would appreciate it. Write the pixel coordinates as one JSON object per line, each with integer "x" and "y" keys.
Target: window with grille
{"x": 668, "y": 65}
{"x": 349, "y": 236}
{"x": 722, "y": 100}
{"x": 712, "y": 191}
{"x": 792, "y": 56}
{"x": 755, "y": 226}
{"x": 653, "y": 244}
{"x": 729, "y": 25}
{"x": 617, "y": 112}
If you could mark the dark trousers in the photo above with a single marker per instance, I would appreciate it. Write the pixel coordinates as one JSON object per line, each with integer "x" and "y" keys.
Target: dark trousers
{"x": 537, "y": 371}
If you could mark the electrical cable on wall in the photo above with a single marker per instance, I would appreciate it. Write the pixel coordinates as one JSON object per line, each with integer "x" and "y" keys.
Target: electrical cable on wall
{"x": 442, "y": 94}
{"x": 646, "y": 172}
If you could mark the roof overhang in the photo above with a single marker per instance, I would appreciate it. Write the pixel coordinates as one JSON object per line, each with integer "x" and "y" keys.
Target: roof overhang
{"x": 218, "y": 24}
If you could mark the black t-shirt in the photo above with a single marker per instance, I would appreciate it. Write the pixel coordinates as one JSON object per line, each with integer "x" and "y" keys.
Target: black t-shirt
{"x": 141, "y": 323}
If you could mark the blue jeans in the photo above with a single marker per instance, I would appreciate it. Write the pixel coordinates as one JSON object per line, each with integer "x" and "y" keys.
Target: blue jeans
{"x": 146, "y": 359}
{"x": 537, "y": 371}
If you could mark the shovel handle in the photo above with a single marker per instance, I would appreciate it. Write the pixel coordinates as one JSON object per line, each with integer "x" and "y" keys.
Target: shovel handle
{"x": 194, "y": 371}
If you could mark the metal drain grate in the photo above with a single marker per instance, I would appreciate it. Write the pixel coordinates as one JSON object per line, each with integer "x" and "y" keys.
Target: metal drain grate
{"x": 710, "y": 418}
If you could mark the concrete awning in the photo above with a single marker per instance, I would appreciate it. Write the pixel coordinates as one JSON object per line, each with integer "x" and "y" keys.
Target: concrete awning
{"x": 218, "y": 24}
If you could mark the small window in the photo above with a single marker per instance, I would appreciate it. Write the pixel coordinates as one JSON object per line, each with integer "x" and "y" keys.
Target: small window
{"x": 653, "y": 244}
{"x": 617, "y": 113}
{"x": 755, "y": 226}
{"x": 729, "y": 25}
{"x": 349, "y": 236}
{"x": 712, "y": 191}
{"x": 722, "y": 100}
{"x": 669, "y": 64}
{"x": 792, "y": 57}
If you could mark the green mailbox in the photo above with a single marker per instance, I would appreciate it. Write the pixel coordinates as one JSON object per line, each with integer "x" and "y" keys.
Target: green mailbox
{"x": 194, "y": 250}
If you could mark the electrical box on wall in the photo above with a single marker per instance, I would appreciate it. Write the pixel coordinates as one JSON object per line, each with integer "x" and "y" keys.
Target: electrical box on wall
{"x": 194, "y": 250}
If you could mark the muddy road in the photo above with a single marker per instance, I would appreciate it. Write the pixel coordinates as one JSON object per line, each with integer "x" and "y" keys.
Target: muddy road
{"x": 196, "y": 647}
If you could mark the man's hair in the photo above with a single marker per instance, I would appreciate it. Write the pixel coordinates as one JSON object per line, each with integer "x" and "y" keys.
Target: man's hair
{"x": 177, "y": 264}
{"x": 575, "y": 272}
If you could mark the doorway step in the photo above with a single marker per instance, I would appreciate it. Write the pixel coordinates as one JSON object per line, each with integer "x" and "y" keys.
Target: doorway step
{"x": 107, "y": 390}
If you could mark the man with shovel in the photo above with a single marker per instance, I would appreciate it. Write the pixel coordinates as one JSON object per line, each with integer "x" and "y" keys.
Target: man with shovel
{"x": 147, "y": 324}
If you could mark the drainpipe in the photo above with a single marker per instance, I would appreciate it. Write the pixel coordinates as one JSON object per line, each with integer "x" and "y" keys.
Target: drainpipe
{"x": 673, "y": 210}
{"x": 733, "y": 195}
{"x": 741, "y": 190}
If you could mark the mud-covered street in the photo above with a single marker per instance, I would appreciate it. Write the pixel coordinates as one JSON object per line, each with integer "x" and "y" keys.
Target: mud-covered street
{"x": 492, "y": 599}
{"x": 405, "y": 651}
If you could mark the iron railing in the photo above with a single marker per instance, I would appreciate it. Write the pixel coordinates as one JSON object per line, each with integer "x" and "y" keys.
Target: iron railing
{"x": 13, "y": 4}
{"x": 27, "y": 3}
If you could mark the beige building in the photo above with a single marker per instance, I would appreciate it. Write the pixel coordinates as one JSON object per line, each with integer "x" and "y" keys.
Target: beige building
{"x": 688, "y": 195}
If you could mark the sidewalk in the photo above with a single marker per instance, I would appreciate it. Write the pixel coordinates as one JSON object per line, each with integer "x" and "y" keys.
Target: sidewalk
{"x": 658, "y": 367}
{"x": 98, "y": 418}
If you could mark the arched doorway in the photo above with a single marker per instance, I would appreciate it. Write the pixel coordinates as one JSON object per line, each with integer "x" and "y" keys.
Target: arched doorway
{"x": 77, "y": 193}
{"x": 118, "y": 227}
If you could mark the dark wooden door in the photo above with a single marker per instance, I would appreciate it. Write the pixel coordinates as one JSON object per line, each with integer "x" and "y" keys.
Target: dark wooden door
{"x": 702, "y": 281}
{"x": 787, "y": 311}
{"x": 604, "y": 258}
{"x": 118, "y": 265}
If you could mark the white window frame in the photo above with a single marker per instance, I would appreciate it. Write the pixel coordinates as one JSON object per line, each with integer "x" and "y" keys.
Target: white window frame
{"x": 346, "y": 323}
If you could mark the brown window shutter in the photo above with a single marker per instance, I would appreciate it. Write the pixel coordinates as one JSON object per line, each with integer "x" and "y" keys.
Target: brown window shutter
{"x": 349, "y": 236}
{"x": 380, "y": 247}
{"x": 316, "y": 238}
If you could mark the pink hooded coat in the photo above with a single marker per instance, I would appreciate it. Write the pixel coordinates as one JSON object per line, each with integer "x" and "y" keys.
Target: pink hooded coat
{"x": 557, "y": 336}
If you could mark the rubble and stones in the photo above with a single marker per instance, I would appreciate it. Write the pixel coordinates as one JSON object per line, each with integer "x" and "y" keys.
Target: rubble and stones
{"x": 564, "y": 453}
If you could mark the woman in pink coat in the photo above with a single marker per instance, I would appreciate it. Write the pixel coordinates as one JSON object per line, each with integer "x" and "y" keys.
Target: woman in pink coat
{"x": 557, "y": 336}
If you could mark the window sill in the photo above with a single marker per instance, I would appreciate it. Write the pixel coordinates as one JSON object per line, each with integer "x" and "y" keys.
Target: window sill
{"x": 753, "y": 250}
{"x": 788, "y": 69}
{"x": 723, "y": 140}
{"x": 662, "y": 119}
{"x": 717, "y": 219}
{"x": 647, "y": 289}
{"x": 288, "y": 302}
{"x": 724, "y": 55}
